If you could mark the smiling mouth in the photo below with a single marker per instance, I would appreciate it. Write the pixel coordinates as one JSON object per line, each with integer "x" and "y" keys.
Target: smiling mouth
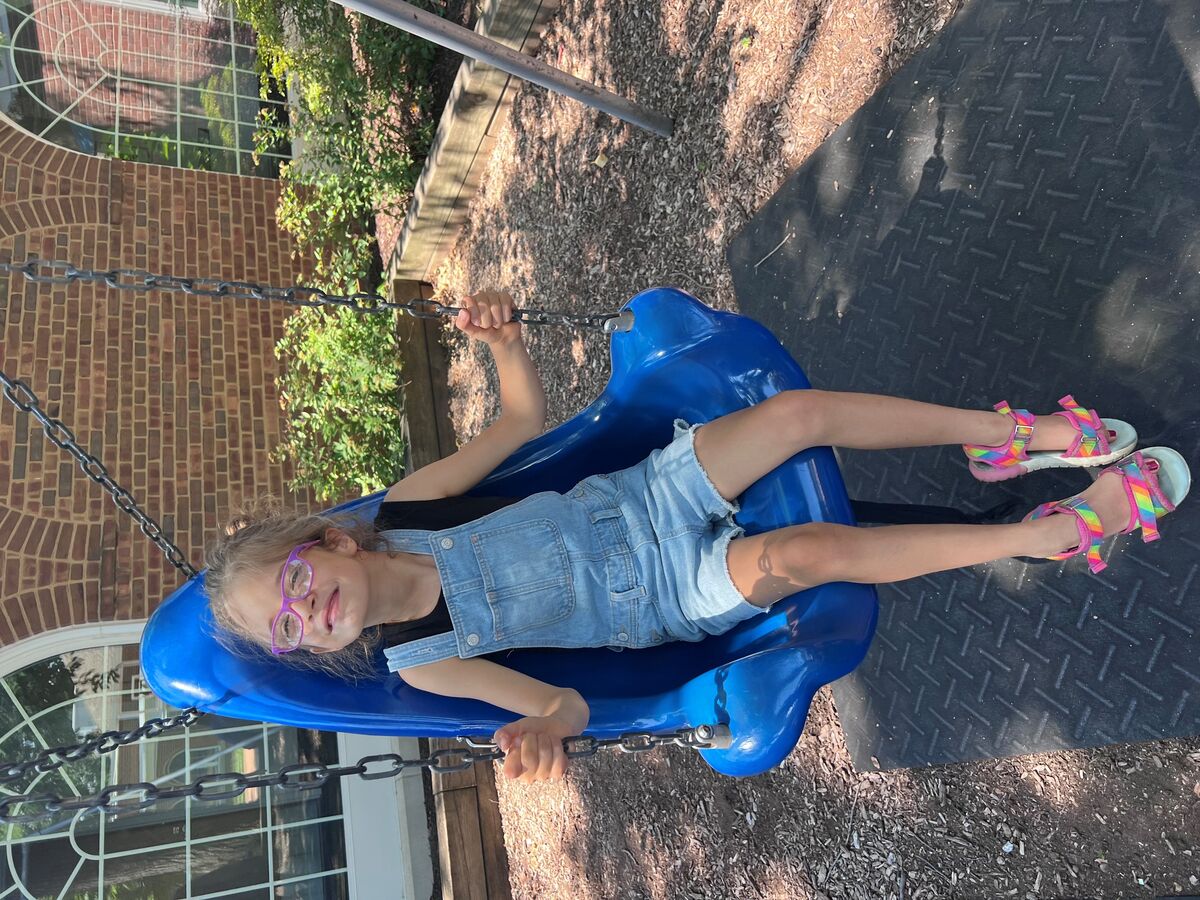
{"x": 331, "y": 609}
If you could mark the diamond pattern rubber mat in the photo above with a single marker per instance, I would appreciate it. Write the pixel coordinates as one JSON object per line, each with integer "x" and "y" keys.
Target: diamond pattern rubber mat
{"x": 1015, "y": 215}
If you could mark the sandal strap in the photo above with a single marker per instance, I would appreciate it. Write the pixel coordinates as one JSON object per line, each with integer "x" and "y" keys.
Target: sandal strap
{"x": 1146, "y": 499}
{"x": 1091, "y": 532}
{"x": 1092, "y": 434}
{"x": 1013, "y": 452}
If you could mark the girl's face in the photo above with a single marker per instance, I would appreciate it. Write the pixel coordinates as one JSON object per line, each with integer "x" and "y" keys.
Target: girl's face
{"x": 334, "y": 610}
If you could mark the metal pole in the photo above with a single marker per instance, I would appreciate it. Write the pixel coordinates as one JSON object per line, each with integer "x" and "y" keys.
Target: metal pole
{"x": 462, "y": 40}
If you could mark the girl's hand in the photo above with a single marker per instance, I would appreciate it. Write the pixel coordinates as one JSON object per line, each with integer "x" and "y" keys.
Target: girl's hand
{"x": 533, "y": 748}
{"x": 487, "y": 317}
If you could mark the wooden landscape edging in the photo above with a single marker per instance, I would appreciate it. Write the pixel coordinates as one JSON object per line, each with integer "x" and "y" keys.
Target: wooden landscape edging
{"x": 477, "y": 108}
{"x": 472, "y": 861}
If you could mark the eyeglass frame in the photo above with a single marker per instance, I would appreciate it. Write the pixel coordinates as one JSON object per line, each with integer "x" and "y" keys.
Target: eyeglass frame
{"x": 285, "y": 608}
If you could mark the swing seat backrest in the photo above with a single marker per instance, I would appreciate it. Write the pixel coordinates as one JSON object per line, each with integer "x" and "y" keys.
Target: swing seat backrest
{"x": 681, "y": 360}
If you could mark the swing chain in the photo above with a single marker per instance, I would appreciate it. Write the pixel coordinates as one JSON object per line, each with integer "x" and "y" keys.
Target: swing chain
{"x": 702, "y": 737}
{"x": 56, "y": 757}
{"x": 21, "y": 396}
{"x": 120, "y": 798}
{"x": 299, "y": 295}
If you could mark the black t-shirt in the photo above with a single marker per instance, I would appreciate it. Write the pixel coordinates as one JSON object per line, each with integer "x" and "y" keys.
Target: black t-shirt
{"x": 430, "y": 515}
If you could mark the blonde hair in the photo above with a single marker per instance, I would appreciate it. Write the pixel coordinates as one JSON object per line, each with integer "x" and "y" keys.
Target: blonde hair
{"x": 259, "y": 537}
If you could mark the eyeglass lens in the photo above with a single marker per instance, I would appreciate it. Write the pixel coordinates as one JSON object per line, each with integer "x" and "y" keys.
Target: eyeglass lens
{"x": 297, "y": 579}
{"x": 288, "y": 630}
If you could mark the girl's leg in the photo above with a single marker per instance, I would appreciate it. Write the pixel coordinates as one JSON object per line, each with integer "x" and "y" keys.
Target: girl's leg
{"x": 767, "y": 567}
{"x": 738, "y": 449}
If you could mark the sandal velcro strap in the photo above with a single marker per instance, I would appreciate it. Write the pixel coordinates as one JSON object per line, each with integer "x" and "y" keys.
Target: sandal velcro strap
{"x": 1146, "y": 499}
{"x": 1013, "y": 452}
{"x": 1092, "y": 436}
{"x": 1091, "y": 532}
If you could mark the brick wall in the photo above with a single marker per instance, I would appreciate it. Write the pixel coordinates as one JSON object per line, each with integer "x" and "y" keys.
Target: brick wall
{"x": 175, "y": 394}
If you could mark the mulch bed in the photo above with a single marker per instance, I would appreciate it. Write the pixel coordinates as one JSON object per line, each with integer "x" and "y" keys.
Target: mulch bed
{"x": 578, "y": 212}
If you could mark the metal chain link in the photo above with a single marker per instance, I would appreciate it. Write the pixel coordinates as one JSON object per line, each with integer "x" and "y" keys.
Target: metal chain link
{"x": 23, "y": 398}
{"x": 311, "y": 776}
{"x": 300, "y": 776}
{"x": 140, "y": 280}
{"x": 56, "y": 757}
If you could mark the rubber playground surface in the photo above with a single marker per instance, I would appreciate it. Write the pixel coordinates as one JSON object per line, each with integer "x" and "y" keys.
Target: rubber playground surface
{"x": 937, "y": 248}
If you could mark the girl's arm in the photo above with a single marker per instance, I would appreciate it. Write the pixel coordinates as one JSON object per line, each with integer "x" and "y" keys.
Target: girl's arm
{"x": 485, "y": 317}
{"x": 533, "y": 744}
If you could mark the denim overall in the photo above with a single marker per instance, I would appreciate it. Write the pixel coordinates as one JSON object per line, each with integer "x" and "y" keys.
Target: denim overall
{"x": 625, "y": 560}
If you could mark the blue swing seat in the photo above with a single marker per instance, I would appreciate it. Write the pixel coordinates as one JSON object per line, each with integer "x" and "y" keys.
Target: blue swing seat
{"x": 681, "y": 360}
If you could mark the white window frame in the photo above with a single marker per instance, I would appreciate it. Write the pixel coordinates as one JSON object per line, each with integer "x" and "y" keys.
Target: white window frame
{"x": 385, "y": 831}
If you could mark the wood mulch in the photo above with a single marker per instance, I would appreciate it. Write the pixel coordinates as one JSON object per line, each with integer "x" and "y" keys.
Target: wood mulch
{"x": 578, "y": 212}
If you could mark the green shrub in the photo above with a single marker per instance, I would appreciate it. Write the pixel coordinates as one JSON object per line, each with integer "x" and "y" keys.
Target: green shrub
{"x": 340, "y": 387}
{"x": 362, "y": 114}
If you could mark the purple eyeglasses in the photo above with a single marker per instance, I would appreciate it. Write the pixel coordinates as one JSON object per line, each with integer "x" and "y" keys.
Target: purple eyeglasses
{"x": 287, "y": 630}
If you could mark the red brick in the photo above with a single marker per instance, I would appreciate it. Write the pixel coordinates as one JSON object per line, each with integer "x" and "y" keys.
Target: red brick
{"x": 126, "y": 392}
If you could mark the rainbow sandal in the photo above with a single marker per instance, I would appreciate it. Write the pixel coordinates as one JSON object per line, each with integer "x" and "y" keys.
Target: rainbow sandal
{"x": 1155, "y": 480}
{"x": 1098, "y": 442}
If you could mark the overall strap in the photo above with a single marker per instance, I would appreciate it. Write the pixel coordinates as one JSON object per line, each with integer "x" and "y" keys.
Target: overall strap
{"x": 409, "y": 540}
{"x": 421, "y": 652}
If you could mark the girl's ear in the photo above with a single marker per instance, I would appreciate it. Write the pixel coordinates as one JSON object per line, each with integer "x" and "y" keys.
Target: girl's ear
{"x": 317, "y": 651}
{"x": 340, "y": 542}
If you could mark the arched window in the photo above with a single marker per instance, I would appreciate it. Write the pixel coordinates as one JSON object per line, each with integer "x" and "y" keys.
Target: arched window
{"x": 264, "y": 844}
{"x": 136, "y": 80}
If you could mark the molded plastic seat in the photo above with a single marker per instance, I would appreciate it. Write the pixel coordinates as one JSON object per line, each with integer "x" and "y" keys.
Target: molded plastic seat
{"x": 681, "y": 360}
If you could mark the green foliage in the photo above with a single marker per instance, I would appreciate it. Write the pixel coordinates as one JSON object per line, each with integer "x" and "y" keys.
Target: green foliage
{"x": 340, "y": 386}
{"x": 362, "y": 116}
{"x": 218, "y": 103}
{"x": 360, "y": 126}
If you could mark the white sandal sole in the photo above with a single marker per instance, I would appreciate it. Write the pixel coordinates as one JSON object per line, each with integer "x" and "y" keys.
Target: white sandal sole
{"x": 1122, "y": 445}
{"x": 1174, "y": 475}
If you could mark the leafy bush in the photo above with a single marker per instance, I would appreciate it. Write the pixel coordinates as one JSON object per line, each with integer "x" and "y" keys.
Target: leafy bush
{"x": 362, "y": 115}
{"x": 340, "y": 387}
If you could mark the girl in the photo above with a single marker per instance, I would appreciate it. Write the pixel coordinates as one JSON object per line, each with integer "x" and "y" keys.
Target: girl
{"x": 640, "y": 556}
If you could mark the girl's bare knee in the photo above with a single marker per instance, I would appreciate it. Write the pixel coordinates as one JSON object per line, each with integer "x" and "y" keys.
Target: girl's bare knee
{"x": 813, "y": 554}
{"x": 801, "y": 416}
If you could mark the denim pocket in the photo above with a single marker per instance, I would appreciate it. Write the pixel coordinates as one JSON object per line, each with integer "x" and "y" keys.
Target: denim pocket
{"x": 636, "y": 620}
{"x": 526, "y": 576}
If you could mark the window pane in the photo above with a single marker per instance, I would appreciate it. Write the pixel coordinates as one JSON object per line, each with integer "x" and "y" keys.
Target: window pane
{"x": 308, "y": 849}
{"x": 214, "y": 818}
{"x": 209, "y": 131}
{"x": 266, "y": 167}
{"x": 287, "y": 746}
{"x": 145, "y": 829}
{"x": 218, "y": 160}
{"x": 52, "y": 680}
{"x": 247, "y": 82}
{"x": 295, "y": 746}
{"x": 43, "y": 867}
{"x": 144, "y": 875}
{"x": 127, "y": 68}
{"x": 232, "y": 863}
{"x": 54, "y": 784}
{"x": 18, "y": 746}
{"x": 11, "y": 718}
{"x": 296, "y": 806}
{"x": 83, "y": 886}
{"x": 331, "y": 887}
{"x": 147, "y": 852}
